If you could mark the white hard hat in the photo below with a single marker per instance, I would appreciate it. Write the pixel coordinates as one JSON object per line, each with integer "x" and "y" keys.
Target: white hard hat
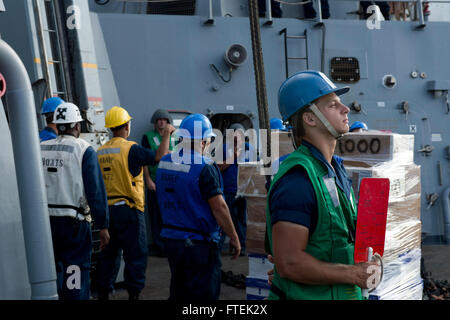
{"x": 67, "y": 113}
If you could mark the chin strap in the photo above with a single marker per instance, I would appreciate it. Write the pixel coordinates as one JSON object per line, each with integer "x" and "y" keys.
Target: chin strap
{"x": 324, "y": 120}
{"x": 293, "y": 139}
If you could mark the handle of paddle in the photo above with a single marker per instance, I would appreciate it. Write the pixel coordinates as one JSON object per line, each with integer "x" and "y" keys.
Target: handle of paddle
{"x": 365, "y": 292}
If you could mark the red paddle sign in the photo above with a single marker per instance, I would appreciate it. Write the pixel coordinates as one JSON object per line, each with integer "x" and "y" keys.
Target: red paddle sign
{"x": 372, "y": 215}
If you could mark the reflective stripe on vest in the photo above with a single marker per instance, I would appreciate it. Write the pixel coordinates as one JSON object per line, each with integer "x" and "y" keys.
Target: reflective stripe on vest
{"x": 330, "y": 241}
{"x": 108, "y": 151}
{"x": 180, "y": 167}
{"x": 62, "y": 160}
{"x": 119, "y": 183}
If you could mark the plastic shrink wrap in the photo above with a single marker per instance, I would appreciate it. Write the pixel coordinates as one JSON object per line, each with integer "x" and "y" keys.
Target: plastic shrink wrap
{"x": 387, "y": 155}
{"x": 252, "y": 185}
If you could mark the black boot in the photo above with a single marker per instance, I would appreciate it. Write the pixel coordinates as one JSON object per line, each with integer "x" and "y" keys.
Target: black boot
{"x": 103, "y": 295}
{"x": 134, "y": 296}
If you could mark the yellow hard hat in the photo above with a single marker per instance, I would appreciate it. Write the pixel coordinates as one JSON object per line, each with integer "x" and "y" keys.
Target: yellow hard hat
{"x": 116, "y": 116}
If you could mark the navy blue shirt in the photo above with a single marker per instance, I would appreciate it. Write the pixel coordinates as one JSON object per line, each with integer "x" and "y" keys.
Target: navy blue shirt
{"x": 47, "y": 134}
{"x": 209, "y": 180}
{"x": 139, "y": 157}
{"x": 287, "y": 205}
{"x": 94, "y": 188}
{"x": 229, "y": 175}
{"x": 144, "y": 142}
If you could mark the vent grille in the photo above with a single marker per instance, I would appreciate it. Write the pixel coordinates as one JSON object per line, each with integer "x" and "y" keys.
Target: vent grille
{"x": 172, "y": 7}
{"x": 345, "y": 69}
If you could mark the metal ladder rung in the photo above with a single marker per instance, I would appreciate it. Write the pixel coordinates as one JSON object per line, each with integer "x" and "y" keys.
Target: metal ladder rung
{"x": 287, "y": 58}
{"x": 53, "y": 42}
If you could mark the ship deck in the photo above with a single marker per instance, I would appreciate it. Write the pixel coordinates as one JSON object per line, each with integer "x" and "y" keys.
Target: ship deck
{"x": 436, "y": 259}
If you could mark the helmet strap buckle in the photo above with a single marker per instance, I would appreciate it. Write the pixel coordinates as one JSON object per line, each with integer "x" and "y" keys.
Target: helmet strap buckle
{"x": 325, "y": 121}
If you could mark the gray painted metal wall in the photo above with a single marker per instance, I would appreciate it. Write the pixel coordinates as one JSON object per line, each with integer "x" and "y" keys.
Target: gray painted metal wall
{"x": 17, "y": 27}
{"x": 106, "y": 77}
{"x": 163, "y": 62}
{"x": 174, "y": 73}
{"x": 146, "y": 62}
{"x": 14, "y": 284}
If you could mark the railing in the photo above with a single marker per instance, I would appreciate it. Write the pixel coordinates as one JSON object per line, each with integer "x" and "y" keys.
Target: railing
{"x": 182, "y": 5}
{"x": 317, "y": 4}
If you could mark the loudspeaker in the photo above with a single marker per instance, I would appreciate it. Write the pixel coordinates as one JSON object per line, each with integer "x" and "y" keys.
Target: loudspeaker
{"x": 235, "y": 56}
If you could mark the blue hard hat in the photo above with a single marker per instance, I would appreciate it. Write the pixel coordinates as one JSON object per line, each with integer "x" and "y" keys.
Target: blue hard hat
{"x": 358, "y": 125}
{"x": 277, "y": 124}
{"x": 301, "y": 89}
{"x": 195, "y": 126}
{"x": 50, "y": 104}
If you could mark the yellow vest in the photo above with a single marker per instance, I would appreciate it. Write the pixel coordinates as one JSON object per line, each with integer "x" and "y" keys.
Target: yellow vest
{"x": 120, "y": 184}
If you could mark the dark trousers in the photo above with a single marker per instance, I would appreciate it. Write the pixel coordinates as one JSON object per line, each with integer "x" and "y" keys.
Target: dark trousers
{"x": 127, "y": 233}
{"x": 238, "y": 212}
{"x": 195, "y": 269}
{"x": 72, "y": 247}
{"x": 275, "y": 6}
{"x": 310, "y": 12}
{"x": 155, "y": 221}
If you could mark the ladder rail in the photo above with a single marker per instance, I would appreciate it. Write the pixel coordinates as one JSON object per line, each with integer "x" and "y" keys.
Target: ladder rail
{"x": 60, "y": 87}
{"x": 42, "y": 48}
{"x": 61, "y": 69}
{"x": 306, "y": 48}
{"x": 64, "y": 49}
{"x": 286, "y": 61}
{"x": 286, "y": 57}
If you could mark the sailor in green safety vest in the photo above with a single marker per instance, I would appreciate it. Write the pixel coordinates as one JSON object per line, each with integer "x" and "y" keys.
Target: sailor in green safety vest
{"x": 311, "y": 213}
{"x": 152, "y": 139}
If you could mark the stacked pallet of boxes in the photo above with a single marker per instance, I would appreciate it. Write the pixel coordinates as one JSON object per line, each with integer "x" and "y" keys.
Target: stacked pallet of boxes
{"x": 387, "y": 155}
{"x": 252, "y": 185}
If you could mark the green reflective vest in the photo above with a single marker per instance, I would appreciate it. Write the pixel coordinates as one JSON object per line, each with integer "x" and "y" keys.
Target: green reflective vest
{"x": 330, "y": 241}
{"x": 154, "y": 140}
